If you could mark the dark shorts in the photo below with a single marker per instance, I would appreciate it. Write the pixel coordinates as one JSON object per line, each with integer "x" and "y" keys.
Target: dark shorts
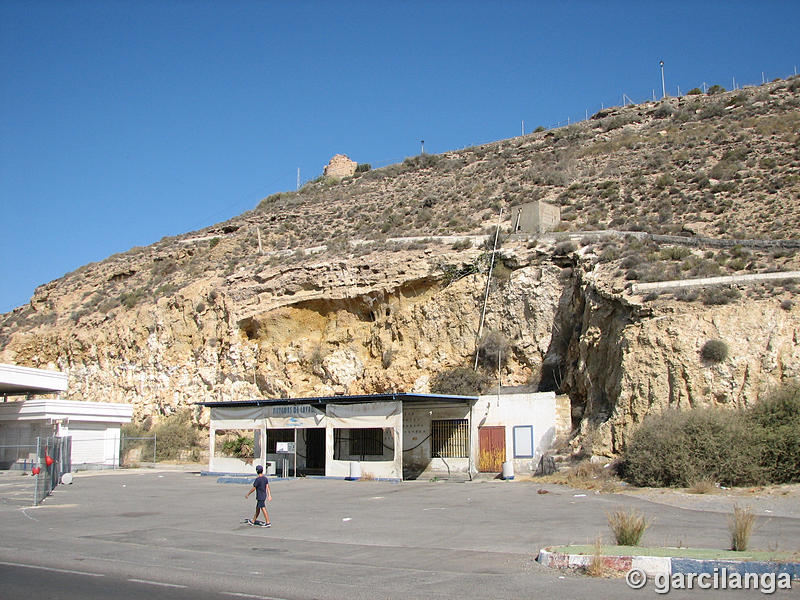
{"x": 261, "y": 503}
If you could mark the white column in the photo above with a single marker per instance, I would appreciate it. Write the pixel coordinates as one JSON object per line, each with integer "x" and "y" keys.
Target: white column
{"x": 212, "y": 439}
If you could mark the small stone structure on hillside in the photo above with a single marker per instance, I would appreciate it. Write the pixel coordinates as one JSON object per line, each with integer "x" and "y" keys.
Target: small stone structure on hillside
{"x": 340, "y": 166}
{"x": 536, "y": 217}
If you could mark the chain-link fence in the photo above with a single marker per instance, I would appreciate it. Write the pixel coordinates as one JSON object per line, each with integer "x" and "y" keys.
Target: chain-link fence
{"x": 49, "y": 458}
{"x": 17, "y": 457}
{"x": 134, "y": 450}
{"x": 52, "y": 461}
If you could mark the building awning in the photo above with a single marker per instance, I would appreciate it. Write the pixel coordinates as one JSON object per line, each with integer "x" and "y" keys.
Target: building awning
{"x": 44, "y": 409}
{"x": 20, "y": 381}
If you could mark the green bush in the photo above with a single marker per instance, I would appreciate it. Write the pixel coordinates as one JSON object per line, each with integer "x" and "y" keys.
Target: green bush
{"x": 756, "y": 446}
{"x": 716, "y": 89}
{"x": 677, "y": 448}
{"x": 694, "y": 92}
{"x": 776, "y": 419}
{"x": 174, "y": 435}
{"x": 714, "y": 351}
{"x": 459, "y": 381}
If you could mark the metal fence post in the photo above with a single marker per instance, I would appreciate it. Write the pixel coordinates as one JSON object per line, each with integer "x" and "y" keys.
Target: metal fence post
{"x": 154, "y": 449}
{"x": 36, "y": 485}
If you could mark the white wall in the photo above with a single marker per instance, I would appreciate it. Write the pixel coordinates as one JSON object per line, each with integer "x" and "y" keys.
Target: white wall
{"x": 386, "y": 415}
{"x": 509, "y": 410}
{"x": 93, "y": 443}
{"x": 416, "y": 438}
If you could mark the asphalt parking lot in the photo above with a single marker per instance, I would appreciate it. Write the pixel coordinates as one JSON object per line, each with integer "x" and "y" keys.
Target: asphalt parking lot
{"x": 339, "y": 539}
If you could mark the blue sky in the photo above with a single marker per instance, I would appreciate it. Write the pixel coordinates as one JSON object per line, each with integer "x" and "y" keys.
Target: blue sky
{"x": 122, "y": 122}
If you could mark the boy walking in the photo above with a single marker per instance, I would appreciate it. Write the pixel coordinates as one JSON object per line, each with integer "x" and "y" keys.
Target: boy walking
{"x": 263, "y": 495}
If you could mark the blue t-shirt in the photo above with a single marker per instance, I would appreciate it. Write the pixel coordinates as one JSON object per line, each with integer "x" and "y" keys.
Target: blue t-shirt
{"x": 260, "y": 483}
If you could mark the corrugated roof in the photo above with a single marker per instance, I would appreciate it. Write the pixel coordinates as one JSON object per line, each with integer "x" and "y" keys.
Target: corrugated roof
{"x": 403, "y": 397}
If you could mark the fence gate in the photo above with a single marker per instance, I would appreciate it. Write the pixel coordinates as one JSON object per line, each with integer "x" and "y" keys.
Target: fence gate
{"x": 53, "y": 460}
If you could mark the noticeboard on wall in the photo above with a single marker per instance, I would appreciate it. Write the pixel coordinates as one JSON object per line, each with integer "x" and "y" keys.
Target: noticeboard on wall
{"x": 284, "y": 447}
{"x": 523, "y": 441}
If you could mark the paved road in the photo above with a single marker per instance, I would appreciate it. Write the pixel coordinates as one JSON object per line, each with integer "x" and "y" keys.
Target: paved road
{"x": 330, "y": 539}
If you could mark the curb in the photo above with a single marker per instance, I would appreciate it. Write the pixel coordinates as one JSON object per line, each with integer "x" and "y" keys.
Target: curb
{"x": 239, "y": 478}
{"x": 660, "y": 566}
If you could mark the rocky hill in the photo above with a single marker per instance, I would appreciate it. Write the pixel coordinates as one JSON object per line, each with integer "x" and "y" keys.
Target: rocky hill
{"x": 376, "y": 282}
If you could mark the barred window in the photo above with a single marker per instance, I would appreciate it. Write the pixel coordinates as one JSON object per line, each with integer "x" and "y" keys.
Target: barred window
{"x": 449, "y": 438}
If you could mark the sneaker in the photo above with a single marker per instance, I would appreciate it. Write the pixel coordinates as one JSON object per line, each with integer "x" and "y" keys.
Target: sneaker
{"x": 265, "y": 524}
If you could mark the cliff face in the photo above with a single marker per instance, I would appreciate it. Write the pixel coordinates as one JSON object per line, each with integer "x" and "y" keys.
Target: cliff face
{"x": 359, "y": 329}
{"x": 328, "y": 328}
{"x": 307, "y": 295}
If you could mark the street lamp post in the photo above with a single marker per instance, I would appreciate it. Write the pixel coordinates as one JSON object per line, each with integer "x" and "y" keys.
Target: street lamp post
{"x": 663, "y": 87}
{"x": 423, "y": 146}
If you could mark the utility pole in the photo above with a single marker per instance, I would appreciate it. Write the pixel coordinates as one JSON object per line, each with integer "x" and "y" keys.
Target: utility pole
{"x": 663, "y": 87}
{"x": 298, "y": 178}
{"x": 679, "y": 91}
{"x": 705, "y": 87}
{"x": 523, "y": 127}
{"x": 423, "y": 146}
{"x": 734, "y": 84}
{"x": 488, "y": 283}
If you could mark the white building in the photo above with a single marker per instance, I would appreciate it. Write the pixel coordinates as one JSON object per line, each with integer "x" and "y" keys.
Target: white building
{"x": 93, "y": 426}
{"x": 391, "y": 436}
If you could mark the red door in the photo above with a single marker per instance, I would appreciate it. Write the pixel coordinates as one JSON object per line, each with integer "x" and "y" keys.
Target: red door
{"x": 491, "y": 448}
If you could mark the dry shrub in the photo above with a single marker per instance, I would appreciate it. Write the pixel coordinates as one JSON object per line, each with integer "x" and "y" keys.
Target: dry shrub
{"x": 702, "y": 485}
{"x": 587, "y": 476}
{"x": 459, "y": 381}
{"x": 493, "y": 350}
{"x": 740, "y": 524}
{"x": 677, "y": 448}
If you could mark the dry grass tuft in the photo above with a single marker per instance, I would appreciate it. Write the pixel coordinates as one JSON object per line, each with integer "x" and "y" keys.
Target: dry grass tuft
{"x": 628, "y": 526}
{"x": 586, "y": 476}
{"x": 596, "y": 567}
{"x": 740, "y": 524}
